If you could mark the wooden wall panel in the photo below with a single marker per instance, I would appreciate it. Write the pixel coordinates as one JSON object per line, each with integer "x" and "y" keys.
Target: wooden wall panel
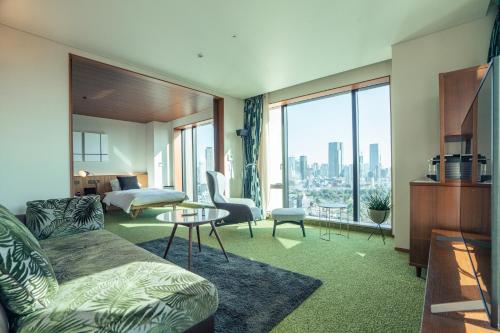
{"x": 103, "y": 185}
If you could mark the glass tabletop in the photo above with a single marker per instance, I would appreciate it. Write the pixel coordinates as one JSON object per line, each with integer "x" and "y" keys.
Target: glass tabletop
{"x": 332, "y": 205}
{"x": 193, "y": 216}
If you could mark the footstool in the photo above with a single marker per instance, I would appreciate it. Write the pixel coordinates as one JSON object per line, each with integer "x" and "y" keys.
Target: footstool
{"x": 289, "y": 215}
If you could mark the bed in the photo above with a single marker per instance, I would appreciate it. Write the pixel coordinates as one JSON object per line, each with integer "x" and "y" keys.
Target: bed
{"x": 133, "y": 201}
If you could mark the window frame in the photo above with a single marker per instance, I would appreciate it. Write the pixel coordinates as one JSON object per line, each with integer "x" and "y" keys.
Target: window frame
{"x": 353, "y": 90}
{"x": 193, "y": 150}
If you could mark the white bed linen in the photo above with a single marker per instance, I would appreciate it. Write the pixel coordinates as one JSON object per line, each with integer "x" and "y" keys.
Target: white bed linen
{"x": 143, "y": 196}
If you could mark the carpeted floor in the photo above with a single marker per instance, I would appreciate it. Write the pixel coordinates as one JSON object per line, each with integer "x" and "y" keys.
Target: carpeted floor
{"x": 253, "y": 296}
{"x": 367, "y": 287}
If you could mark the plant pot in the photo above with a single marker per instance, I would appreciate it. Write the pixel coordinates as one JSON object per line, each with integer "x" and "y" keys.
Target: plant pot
{"x": 379, "y": 216}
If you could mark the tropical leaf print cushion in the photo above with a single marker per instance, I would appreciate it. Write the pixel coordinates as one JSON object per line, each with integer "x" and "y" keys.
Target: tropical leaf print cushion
{"x": 27, "y": 280}
{"x": 61, "y": 217}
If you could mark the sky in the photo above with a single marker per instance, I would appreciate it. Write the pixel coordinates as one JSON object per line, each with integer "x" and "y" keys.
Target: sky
{"x": 312, "y": 125}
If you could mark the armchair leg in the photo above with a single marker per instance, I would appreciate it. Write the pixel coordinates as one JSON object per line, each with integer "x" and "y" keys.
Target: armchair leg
{"x": 303, "y": 229}
{"x": 211, "y": 232}
{"x": 274, "y": 228}
{"x": 250, "y": 227}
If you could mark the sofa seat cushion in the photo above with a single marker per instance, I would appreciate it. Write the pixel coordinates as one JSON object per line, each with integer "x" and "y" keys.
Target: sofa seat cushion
{"x": 27, "y": 280}
{"x": 62, "y": 217}
{"x": 109, "y": 285}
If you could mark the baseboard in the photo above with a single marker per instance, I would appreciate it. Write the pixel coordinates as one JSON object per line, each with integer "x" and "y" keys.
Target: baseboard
{"x": 400, "y": 249}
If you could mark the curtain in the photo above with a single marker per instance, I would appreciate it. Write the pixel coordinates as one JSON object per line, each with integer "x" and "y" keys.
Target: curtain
{"x": 494, "y": 49}
{"x": 263, "y": 167}
{"x": 253, "y": 123}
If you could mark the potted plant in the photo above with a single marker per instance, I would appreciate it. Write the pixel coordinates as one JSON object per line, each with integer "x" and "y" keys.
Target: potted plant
{"x": 379, "y": 207}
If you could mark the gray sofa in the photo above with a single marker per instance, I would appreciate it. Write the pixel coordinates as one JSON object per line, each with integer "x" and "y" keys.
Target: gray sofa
{"x": 104, "y": 283}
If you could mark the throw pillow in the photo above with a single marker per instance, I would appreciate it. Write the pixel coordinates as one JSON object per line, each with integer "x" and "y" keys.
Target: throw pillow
{"x": 128, "y": 182}
{"x": 115, "y": 185}
{"x": 27, "y": 280}
{"x": 61, "y": 217}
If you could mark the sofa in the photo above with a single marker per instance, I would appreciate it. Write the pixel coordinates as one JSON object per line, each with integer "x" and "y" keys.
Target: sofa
{"x": 61, "y": 272}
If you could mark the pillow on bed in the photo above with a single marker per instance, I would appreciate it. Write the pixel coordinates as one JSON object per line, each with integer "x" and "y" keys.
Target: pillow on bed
{"x": 128, "y": 182}
{"x": 115, "y": 185}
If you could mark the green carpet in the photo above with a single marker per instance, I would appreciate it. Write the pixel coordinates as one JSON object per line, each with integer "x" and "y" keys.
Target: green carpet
{"x": 367, "y": 286}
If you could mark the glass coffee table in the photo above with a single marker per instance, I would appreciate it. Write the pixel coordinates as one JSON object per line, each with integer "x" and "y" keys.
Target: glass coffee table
{"x": 193, "y": 218}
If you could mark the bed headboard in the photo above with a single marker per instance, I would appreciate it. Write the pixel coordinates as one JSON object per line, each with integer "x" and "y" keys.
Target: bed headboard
{"x": 103, "y": 185}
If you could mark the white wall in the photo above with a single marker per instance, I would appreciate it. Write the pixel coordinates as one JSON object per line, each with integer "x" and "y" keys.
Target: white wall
{"x": 126, "y": 145}
{"x": 34, "y": 117}
{"x": 34, "y": 111}
{"x": 415, "y": 103}
{"x": 361, "y": 74}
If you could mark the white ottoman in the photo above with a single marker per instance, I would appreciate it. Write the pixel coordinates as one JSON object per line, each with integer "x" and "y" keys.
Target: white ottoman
{"x": 289, "y": 215}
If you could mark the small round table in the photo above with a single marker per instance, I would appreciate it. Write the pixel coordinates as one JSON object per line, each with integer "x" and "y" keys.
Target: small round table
{"x": 329, "y": 208}
{"x": 193, "y": 218}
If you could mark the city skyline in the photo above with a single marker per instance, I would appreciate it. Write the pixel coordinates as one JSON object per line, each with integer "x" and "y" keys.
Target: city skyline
{"x": 332, "y": 122}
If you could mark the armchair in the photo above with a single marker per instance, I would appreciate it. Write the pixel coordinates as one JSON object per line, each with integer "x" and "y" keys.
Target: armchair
{"x": 240, "y": 209}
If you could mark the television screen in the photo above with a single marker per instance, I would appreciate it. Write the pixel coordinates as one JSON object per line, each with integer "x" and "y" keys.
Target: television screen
{"x": 476, "y": 212}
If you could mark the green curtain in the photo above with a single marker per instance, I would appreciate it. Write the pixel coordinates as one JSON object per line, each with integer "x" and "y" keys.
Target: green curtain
{"x": 494, "y": 49}
{"x": 251, "y": 143}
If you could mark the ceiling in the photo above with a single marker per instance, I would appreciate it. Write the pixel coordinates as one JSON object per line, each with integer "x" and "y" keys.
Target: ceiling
{"x": 278, "y": 43}
{"x": 101, "y": 90}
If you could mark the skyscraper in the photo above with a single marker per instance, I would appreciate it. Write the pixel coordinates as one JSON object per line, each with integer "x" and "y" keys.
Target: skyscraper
{"x": 209, "y": 158}
{"x": 374, "y": 161}
{"x": 292, "y": 170}
{"x": 335, "y": 156}
{"x": 303, "y": 167}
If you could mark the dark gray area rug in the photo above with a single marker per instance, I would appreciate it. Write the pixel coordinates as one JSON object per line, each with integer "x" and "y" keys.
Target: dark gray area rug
{"x": 253, "y": 296}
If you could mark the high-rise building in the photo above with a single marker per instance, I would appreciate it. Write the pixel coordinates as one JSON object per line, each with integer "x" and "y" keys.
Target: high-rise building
{"x": 374, "y": 160}
{"x": 303, "y": 167}
{"x": 335, "y": 156}
{"x": 292, "y": 170}
{"x": 209, "y": 158}
{"x": 323, "y": 171}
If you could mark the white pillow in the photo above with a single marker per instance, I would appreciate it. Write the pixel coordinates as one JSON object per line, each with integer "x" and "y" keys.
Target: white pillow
{"x": 115, "y": 185}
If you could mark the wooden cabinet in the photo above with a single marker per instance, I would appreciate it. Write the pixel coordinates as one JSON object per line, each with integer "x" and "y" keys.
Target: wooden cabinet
{"x": 437, "y": 206}
{"x": 457, "y": 90}
{"x": 449, "y": 203}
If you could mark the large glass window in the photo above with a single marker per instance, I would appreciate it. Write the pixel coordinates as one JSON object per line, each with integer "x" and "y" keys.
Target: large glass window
{"x": 197, "y": 158}
{"x": 374, "y": 113}
{"x": 319, "y": 152}
{"x": 337, "y": 150}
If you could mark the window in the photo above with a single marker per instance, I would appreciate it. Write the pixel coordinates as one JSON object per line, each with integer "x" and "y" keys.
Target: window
{"x": 336, "y": 149}
{"x": 197, "y": 147}
{"x": 90, "y": 147}
{"x": 374, "y": 113}
{"x": 319, "y": 152}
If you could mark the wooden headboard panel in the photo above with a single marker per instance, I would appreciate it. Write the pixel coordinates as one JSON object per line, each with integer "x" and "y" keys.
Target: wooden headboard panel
{"x": 103, "y": 185}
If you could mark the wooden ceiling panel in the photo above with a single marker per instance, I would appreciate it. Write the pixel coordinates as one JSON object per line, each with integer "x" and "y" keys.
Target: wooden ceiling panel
{"x": 102, "y": 90}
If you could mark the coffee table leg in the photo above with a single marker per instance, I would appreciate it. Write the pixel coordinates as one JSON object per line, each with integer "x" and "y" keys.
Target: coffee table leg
{"x": 190, "y": 246}
{"x": 170, "y": 240}
{"x": 198, "y": 234}
{"x": 218, "y": 239}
